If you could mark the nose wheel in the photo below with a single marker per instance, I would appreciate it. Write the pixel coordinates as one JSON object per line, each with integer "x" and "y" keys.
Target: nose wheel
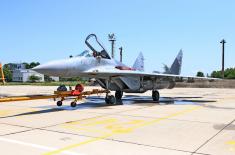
{"x": 110, "y": 99}
{"x": 155, "y": 95}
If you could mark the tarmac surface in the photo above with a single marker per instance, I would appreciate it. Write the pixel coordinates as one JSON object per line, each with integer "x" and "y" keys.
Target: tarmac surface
{"x": 186, "y": 121}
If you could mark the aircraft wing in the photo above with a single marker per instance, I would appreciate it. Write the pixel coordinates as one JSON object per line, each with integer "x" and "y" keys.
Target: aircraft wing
{"x": 106, "y": 73}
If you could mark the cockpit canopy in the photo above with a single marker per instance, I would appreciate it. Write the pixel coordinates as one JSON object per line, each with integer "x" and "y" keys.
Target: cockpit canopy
{"x": 86, "y": 53}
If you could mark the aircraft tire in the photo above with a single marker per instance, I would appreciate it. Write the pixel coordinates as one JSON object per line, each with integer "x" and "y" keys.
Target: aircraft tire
{"x": 155, "y": 95}
{"x": 107, "y": 100}
{"x": 59, "y": 103}
{"x": 73, "y": 104}
{"x": 110, "y": 100}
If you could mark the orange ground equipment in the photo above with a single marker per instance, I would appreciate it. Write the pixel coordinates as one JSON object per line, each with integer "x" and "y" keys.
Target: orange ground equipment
{"x": 77, "y": 94}
{"x": 2, "y": 74}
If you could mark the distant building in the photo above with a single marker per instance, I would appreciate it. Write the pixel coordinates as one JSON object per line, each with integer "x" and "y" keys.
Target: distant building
{"x": 55, "y": 78}
{"x": 14, "y": 66}
{"x": 23, "y": 75}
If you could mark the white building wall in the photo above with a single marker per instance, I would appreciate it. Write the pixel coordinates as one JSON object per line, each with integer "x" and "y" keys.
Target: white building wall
{"x": 22, "y": 75}
{"x": 28, "y": 74}
{"x": 55, "y": 78}
{"x": 17, "y": 76}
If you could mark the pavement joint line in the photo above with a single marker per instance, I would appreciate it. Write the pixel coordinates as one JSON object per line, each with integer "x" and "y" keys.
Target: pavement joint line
{"x": 42, "y": 147}
{"x": 16, "y": 125}
{"x": 166, "y": 148}
{"x": 43, "y": 128}
{"x": 76, "y": 145}
{"x": 128, "y": 129}
{"x": 156, "y": 146}
{"x": 159, "y": 117}
{"x": 115, "y": 140}
{"x": 201, "y": 154}
{"x": 207, "y": 141}
{"x": 69, "y": 133}
{"x": 13, "y": 133}
{"x": 95, "y": 117}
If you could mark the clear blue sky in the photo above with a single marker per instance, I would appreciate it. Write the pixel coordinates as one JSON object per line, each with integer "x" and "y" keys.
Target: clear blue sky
{"x": 43, "y": 30}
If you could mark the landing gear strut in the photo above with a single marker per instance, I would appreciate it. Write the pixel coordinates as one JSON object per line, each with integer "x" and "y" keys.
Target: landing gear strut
{"x": 155, "y": 95}
{"x": 109, "y": 99}
{"x": 118, "y": 94}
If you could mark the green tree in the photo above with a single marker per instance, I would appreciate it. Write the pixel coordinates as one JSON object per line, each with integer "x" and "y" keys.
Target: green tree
{"x": 229, "y": 73}
{"x": 216, "y": 74}
{"x": 26, "y": 65}
{"x": 34, "y": 78}
{"x": 33, "y": 64}
{"x": 7, "y": 73}
{"x": 48, "y": 79}
{"x": 200, "y": 74}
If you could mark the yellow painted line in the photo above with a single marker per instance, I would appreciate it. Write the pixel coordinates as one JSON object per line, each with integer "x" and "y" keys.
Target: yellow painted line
{"x": 76, "y": 145}
{"x": 4, "y": 113}
{"x": 80, "y": 129}
{"x": 81, "y": 121}
{"x": 232, "y": 145}
{"x": 166, "y": 117}
{"x": 232, "y": 142}
{"x": 121, "y": 130}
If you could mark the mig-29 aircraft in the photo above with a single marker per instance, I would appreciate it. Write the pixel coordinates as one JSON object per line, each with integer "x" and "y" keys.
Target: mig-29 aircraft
{"x": 113, "y": 75}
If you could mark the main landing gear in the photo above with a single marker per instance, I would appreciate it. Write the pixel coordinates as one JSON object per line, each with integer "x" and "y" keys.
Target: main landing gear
{"x": 110, "y": 99}
{"x": 155, "y": 95}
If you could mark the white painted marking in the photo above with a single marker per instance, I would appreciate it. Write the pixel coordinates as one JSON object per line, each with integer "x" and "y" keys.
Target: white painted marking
{"x": 37, "y": 146}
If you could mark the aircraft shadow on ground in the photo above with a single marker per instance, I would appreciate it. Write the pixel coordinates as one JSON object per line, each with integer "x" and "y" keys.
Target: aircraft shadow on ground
{"x": 98, "y": 102}
{"x": 221, "y": 127}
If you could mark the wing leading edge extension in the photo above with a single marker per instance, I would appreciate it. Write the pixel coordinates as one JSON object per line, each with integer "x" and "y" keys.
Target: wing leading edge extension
{"x": 106, "y": 73}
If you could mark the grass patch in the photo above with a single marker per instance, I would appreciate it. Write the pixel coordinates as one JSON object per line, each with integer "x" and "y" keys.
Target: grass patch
{"x": 67, "y": 83}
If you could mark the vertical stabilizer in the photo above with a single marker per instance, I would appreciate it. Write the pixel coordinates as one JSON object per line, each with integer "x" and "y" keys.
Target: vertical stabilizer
{"x": 139, "y": 62}
{"x": 176, "y": 65}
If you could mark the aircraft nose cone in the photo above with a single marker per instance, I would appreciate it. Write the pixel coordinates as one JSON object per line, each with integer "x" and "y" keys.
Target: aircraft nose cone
{"x": 51, "y": 69}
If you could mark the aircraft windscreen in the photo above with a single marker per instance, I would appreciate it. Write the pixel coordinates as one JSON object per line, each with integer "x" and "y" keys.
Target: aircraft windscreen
{"x": 85, "y": 54}
{"x": 104, "y": 54}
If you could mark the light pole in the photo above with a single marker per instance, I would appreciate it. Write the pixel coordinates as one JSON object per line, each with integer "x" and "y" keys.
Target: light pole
{"x": 120, "y": 54}
{"x": 222, "y": 71}
{"x": 112, "y": 39}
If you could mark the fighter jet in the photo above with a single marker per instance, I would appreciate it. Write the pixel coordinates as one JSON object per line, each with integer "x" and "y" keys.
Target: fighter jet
{"x": 113, "y": 75}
